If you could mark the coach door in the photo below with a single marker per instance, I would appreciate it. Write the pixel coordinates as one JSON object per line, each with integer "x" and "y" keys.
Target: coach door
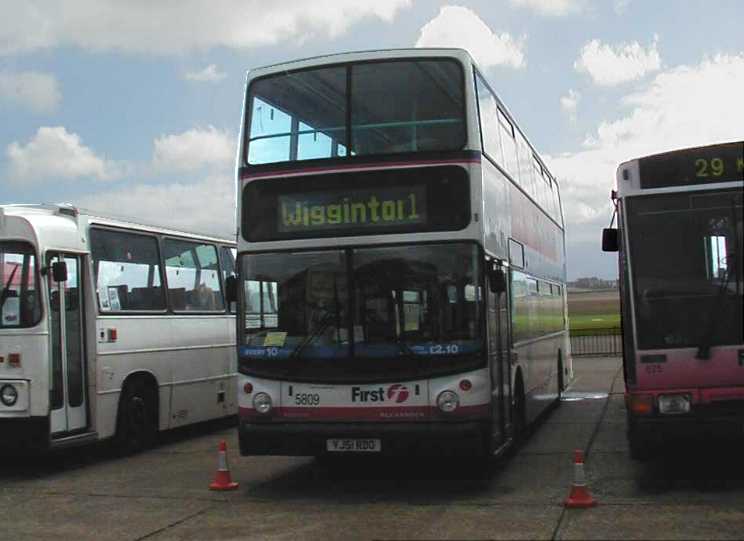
{"x": 67, "y": 396}
{"x": 498, "y": 351}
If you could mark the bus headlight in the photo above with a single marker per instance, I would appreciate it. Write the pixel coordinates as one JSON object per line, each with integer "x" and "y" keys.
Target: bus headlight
{"x": 262, "y": 403}
{"x": 671, "y": 404}
{"x": 448, "y": 401}
{"x": 8, "y": 395}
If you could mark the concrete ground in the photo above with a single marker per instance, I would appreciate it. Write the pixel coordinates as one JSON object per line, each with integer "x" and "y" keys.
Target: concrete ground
{"x": 693, "y": 492}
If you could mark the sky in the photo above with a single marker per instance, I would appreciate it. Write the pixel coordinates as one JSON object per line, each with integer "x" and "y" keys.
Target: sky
{"x": 132, "y": 107}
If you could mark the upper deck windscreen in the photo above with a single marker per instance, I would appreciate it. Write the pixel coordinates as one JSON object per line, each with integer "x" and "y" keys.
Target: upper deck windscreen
{"x": 702, "y": 165}
{"x": 370, "y": 108}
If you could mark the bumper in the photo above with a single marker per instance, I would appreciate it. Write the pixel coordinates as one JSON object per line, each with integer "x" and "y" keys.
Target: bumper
{"x": 24, "y": 434}
{"x": 719, "y": 421}
{"x": 419, "y": 439}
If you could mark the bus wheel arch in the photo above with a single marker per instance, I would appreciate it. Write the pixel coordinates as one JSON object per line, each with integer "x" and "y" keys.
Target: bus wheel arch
{"x": 137, "y": 413}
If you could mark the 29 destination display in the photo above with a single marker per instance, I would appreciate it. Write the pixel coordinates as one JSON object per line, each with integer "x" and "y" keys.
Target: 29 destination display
{"x": 703, "y": 165}
{"x": 357, "y": 203}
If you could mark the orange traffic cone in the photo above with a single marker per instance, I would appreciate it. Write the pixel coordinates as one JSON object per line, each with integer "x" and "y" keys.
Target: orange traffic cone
{"x": 222, "y": 479}
{"x": 579, "y": 497}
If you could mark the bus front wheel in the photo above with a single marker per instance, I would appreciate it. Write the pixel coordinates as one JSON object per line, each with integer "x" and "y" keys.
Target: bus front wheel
{"x": 136, "y": 426}
{"x": 641, "y": 449}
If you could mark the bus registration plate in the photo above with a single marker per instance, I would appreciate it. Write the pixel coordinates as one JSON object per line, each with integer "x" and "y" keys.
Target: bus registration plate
{"x": 353, "y": 446}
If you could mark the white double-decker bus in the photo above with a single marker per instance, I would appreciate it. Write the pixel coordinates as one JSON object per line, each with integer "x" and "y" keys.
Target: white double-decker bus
{"x": 401, "y": 260}
{"x": 681, "y": 247}
{"x": 109, "y": 329}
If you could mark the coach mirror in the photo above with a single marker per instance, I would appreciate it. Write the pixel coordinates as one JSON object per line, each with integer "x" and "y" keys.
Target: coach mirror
{"x": 231, "y": 289}
{"x": 59, "y": 271}
{"x": 609, "y": 240}
{"x": 496, "y": 279}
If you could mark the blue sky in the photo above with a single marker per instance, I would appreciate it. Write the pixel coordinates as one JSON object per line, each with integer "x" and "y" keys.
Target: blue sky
{"x": 133, "y": 107}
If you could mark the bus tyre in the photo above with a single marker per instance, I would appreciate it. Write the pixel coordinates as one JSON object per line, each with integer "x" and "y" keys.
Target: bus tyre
{"x": 640, "y": 448}
{"x": 136, "y": 425}
{"x": 519, "y": 413}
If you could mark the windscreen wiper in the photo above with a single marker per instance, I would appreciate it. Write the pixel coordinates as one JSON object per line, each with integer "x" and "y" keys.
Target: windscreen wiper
{"x": 6, "y": 289}
{"x": 703, "y": 352}
{"x": 325, "y": 321}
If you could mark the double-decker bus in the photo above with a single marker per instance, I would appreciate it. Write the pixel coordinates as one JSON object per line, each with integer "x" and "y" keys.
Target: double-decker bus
{"x": 680, "y": 263}
{"x": 401, "y": 260}
{"x": 109, "y": 329}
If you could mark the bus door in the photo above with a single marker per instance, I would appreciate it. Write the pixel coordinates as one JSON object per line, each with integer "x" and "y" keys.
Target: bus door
{"x": 67, "y": 396}
{"x": 498, "y": 359}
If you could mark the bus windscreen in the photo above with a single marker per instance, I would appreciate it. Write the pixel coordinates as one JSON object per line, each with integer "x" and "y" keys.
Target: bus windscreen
{"x": 361, "y": 109}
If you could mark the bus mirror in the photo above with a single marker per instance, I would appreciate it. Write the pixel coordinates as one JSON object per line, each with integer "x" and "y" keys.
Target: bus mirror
{"x": 231, "y": 289}
{"x": 497, "y": 280}
{"x": 59, "y": 271}
{"x": 609, "y": 240}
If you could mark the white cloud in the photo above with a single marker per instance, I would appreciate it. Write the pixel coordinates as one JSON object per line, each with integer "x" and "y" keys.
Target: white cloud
{"x": 682, "y": 107}
{"x": 174, "y": 26}
{"x": 461, "y": 27}
{"x": 55, "y": 153}
{"x": 610, "y": 65}
{"x": 551, "y": 8}
{"x": 209, "y": 74}
{"x": 193, "y": 149}
{"x": 34, "y": 90}
{"x": 206, "y": 206}
{"x": 621, "y": 6}
{"x": 570, "y": 102}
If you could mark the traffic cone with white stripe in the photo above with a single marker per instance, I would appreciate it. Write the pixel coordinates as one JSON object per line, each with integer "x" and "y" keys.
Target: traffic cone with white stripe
{"x": 222, "y": 479}
{"x": 579, "y": 497}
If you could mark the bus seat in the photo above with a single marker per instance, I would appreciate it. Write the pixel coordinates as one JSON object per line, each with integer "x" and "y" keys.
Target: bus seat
{"x": 178, "y": 298}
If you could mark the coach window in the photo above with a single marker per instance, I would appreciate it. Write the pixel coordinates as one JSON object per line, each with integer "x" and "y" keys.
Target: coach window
{"x": 193, "y": 276}
{"x": 127, "y": 271}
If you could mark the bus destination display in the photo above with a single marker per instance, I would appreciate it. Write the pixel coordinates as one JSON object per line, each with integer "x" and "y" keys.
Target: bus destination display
{"x": 389, "y": 206}
{"x": 705, "y": 165}
{"x": 357, "y": 203}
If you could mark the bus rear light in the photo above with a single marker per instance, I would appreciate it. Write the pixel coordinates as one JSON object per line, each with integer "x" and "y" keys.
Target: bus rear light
{"x": 640, "y": 404}
{"x": 448, "y": 401}
{"x": 14, "y": 359}
{"x": 466, "y": 385}
{"x": 112, "y": 335}
{"x": 248, "y": 388}
{"x": 674, "y": 404}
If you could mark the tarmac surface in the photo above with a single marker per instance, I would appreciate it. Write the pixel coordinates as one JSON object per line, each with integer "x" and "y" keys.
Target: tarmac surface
{"x": 695, "y": 491}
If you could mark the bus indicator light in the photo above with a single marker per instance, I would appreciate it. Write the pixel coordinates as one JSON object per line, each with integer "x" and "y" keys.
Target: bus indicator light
{"x": 14, "y": 359}
{"x": 466, "y": 385}
{"x": 640, "y": 404}
{"x": 248, "y": 388}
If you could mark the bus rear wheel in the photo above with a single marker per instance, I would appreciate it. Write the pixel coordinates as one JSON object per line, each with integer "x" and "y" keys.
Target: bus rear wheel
{"x": 136, "y": 426}
{"x": 519, "y": 412}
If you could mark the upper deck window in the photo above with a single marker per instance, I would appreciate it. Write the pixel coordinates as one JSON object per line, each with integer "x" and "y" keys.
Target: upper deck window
{"x": 370, "y": 108}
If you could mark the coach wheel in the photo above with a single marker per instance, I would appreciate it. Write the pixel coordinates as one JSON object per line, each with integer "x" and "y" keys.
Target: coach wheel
{"x": 136, "y": 426}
